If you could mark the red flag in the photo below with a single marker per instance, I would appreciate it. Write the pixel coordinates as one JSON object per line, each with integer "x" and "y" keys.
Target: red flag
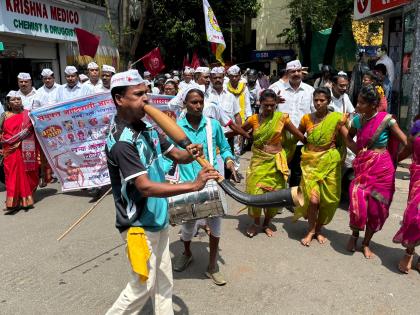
{"x": 88, "y": 42}
{"x": 186, "y": 62}
{"x": 195, "y": 62}
{"x": 153, "y": 61}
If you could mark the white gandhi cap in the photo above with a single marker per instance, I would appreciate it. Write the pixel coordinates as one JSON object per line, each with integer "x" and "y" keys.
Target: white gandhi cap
{"x": 202, "y": 70}
{"x": 107, "y": 68}
{"x": 293, "y": 65}
{"x": 24, "y": 76}
{"x": 127, "y": 78}
{"x": 13, "y": 94}
{"x": 92, "y": 65}
{"x": 70, "y": 70}
{"x": 46, "y": 72}
{"x": 234, "y": 70}
{"x": 218, "y": 70}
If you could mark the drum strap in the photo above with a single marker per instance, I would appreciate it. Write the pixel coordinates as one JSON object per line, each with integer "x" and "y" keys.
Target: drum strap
{"x": 209, "y": 134}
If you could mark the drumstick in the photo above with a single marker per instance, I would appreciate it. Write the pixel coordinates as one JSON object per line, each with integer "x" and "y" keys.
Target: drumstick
{"x": 84, "y": 216}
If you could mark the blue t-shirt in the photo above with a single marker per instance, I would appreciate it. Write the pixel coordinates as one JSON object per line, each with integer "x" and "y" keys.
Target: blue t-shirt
{"x": 188, "y": 172}
{"x": 132, "y": 151}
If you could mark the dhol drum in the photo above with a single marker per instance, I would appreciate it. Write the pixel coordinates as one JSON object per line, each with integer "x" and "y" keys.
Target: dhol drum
{"x": 208, "y": 202}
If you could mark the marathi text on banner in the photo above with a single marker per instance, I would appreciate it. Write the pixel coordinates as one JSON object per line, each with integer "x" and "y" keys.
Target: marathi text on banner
{"x": 161, "y": 102}
{"x": 73, "y": 136}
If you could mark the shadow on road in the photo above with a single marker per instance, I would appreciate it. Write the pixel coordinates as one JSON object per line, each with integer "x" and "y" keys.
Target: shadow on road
{"x": 44, "y": 193}
{"x": 388, "y": 256}
{"x": 180, "y": 308}
{"x": 93, "y": 259}
{"x": 200, "y": 251}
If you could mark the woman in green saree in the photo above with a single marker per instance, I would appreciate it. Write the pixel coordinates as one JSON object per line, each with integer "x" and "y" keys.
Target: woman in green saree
{"x": 268, "y": 168}
{"x": 321, "y": 165}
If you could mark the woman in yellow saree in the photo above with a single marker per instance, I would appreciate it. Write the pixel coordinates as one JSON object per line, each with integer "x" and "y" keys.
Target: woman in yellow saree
{"x": 268, "y": 168}
{"x": 321, "y": 165}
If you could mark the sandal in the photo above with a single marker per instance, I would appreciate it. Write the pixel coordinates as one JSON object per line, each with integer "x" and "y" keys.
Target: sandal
{"x": 251, "y": 234}
{"x": 406, "y": 269}
{"x": 269, "y": 232}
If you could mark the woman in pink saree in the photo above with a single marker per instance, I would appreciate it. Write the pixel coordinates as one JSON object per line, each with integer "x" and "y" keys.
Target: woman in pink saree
{"x": 373, "y": 187}
{"x": 409, "y": 233}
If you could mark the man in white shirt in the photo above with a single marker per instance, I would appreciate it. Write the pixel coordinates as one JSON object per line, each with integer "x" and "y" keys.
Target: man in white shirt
{"x": 107, "y": 73}
{"x": 254, "y": 89}
{"x": 340, "y": 101}
{"x": 93, "y": 73}
{"x": 281, "y": 83}
{"x": 26, "y": 92}
{"x": 240, "y": 91}
{"x": 221, "y": 97}
{"x": 47, "y": 94}
{"x": 382, "y": 53}
{"x": 202, "y": 82}
{"x": 188, "y": 78}
{"x": 297, "y": 97}
{"x": 73, "y": 88}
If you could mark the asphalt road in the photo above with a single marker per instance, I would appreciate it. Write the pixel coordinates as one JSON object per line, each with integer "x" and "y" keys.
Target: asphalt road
{"x": 85, "y": 272}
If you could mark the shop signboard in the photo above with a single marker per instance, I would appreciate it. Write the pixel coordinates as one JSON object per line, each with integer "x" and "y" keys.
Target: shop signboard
{"x": 39, "y": 18}
{"x": 271, "y": 54}
{"x": 366, "y": 8}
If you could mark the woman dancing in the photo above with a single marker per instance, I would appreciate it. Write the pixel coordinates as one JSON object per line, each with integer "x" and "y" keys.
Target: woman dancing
{"x": 321, "y": 165}
{"x": 373, "y": 187}
{"x": 409, "y": 233}
{"x": 268, "y": 169}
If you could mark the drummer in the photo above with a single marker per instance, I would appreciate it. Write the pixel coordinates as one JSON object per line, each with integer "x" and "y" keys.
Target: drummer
{"x": 197, "y": 127}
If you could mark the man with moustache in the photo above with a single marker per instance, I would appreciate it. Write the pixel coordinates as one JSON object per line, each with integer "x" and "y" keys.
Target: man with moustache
{"x": 73, "y": 88}
{"x": 297, "y": 101}
{"x": 94, "y": 82}
{"x": 107, "y": 73}
{"x": 46, "y": 94}
{"x": 340, "y": 101}
{"x": 26, "y": 91}
{"x": 188, "y": 78}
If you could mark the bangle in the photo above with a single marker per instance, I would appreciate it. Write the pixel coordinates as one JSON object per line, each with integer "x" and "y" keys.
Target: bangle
{"x": 229, "y": 161}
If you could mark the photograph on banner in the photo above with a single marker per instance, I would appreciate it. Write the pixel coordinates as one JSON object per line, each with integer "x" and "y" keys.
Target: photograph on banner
{"x": 73, "y": 136}
{"x": 161, "y": 102}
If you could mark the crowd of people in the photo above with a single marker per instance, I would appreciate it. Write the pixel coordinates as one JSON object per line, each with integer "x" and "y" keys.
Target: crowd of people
{"x": 300, "y": 135}
{"x": 24, "y": 164}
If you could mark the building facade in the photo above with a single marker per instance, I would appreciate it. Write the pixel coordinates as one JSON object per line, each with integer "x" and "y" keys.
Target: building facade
{"x": 401, "y": 33}
{"x": 40, "y": 34}
{"x": 270, "y": 50}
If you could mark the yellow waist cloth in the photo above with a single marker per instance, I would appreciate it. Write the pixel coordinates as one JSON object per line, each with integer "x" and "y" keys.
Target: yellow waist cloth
{"x": 138, "y": 252}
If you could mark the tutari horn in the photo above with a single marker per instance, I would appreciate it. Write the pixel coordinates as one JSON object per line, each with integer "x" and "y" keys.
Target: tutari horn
{"x": 279, "y": 198}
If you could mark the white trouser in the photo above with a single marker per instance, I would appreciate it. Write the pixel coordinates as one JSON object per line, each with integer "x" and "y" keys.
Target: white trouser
{"x": 159, "y": 285}
{"x": 188, "y": 229}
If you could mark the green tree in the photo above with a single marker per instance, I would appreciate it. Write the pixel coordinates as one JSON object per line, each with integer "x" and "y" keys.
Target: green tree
{"x": 176, "y": 26}
{"x": 307, "y": 16}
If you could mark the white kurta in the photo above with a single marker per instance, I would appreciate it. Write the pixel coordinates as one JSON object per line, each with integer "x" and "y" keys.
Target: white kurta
{"x": 45, "y": 96}
{"x": 96, "y": 88}
{"x": 65, "y": 93}
{"x": 28, "y": 99}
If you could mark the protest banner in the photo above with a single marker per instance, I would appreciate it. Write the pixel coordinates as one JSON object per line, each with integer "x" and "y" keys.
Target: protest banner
{"x": 161, "y": 102}
{"x": 73, "y": 136}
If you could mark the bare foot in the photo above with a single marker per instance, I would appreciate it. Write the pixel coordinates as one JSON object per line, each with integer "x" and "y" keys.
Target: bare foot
{"x": 321, "y": 238}
{"x": 306, "y": 241}
{"x": 252, "y": 230}
{"x": 352, "y": 243}
{"x": 405, "y": 263}
{"x": 269, "y": 232}
{"x": 367, "y": 252}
